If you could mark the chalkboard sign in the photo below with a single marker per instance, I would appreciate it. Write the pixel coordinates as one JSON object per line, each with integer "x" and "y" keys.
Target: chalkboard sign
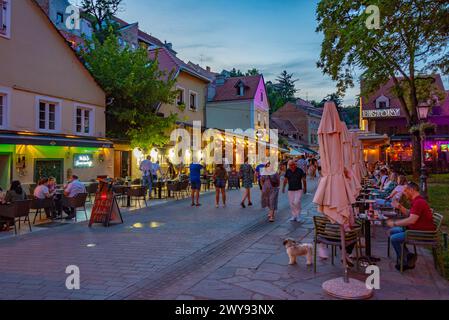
{"x": 105, "y": 209}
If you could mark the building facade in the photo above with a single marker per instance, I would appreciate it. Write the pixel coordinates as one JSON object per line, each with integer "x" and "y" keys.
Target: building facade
{"x": 381, "y": 113}
{"x": 305, "y": 117}
{"x": 52, "y": 112}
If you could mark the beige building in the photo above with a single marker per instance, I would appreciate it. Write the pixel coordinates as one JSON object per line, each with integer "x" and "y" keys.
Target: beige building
{"x": 52, "y": 112}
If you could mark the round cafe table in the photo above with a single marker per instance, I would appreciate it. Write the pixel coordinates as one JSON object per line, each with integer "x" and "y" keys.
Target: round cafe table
{"x": 367, "y": 220}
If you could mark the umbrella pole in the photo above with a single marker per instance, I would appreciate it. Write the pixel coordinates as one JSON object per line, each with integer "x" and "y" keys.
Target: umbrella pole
{"x": 343, "y": 253}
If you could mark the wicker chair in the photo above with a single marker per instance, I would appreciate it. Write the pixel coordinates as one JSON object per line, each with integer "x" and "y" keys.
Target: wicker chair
{"x": 138, "y": 194}
{"x": 15, "y": 211}
{"x": 423, "y": 238}
{"x": 329, "y": 234}
{"x": 39, "y": 204}
{"x": 77, "y": 202}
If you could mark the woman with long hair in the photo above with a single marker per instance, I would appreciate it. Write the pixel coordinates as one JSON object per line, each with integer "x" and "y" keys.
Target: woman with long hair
{"x": 270, "y": 181}
{"x": 247, "y": 175}
{"x": 15, "y": 192}
{"x": 220, "y": 177}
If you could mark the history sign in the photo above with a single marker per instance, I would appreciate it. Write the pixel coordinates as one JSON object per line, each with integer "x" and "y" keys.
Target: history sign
{"x": 381, "y": 113}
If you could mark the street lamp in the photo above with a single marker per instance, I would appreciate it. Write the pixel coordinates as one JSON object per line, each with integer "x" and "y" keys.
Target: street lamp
{"x": 423, "y": 112}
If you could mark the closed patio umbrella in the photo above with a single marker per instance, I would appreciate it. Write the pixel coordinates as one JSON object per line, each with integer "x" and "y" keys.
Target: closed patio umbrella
{"x": 334, "y": 195}
{"x": 348, "y": 159}
{"x": 356, "y": 168}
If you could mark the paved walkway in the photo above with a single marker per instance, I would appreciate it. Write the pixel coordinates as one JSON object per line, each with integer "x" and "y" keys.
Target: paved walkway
{"x": 173, "y": 251}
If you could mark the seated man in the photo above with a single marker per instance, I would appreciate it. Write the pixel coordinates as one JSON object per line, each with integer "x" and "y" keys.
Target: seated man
{"x": 419, "y": 218}
{"x": 74, "y": 188}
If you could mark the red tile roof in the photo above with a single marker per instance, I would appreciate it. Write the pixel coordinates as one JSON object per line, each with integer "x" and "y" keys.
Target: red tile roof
{"x": 168, "y": 62}
{"x": 150, "y": 38}
{"x": 228, "y": 91}
{"x": 283, "y": 126}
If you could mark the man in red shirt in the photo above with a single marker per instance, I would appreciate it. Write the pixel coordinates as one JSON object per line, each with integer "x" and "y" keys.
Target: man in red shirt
{"x": 419, "y": 218}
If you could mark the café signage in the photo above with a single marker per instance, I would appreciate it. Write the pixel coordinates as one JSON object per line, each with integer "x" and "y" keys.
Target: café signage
{"x": 83, "y": 160}
{"x": 381, "y": 113}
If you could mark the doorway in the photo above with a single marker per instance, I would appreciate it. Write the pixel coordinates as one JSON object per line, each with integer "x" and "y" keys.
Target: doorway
{"x": 49, "y": 168}
{"x": 122, "y": 164}
{"x": 5, "y": 170}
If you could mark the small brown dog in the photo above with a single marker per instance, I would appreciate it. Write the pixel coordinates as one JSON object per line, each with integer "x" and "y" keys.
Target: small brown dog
{"x": 295, "y": 249}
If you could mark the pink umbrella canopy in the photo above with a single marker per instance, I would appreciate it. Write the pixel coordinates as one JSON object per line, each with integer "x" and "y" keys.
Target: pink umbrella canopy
{"x": 362, "y": 161}
{"x": 348, "y": 159}
{"x": 334, "y": 194}
{"x": 356, "y": 169}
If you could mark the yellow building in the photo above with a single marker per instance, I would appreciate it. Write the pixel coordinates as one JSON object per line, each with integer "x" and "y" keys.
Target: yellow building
{"x": 52, "y": 112}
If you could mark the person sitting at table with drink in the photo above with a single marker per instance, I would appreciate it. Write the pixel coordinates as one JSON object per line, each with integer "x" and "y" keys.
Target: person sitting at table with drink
{"x": 419, "y": 218}
{"x": 73, "y": 188}
{"x": 389, "y": 185}
{"x": 396, "y": 194}
{"x": 41, "y": 192}
{"x": 382, "y": 178}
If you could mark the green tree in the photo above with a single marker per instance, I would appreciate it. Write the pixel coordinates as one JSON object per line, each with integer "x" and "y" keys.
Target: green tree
{"x": 252, "y": 72}
{"x": 286, "y": 86}
{"x": 235, "y": 73}
{"x": 412, "y": 40}
{"x": 100, "y": 14}
{"x": 134, "y": 87}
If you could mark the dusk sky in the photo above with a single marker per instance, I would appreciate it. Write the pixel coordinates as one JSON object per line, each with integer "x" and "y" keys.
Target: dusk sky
{"x": 266, "y": 34}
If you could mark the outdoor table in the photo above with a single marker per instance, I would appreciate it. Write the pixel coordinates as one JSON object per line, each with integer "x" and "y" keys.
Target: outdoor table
{"x": 158, "y": 187}
{"x": 128, "y": 198}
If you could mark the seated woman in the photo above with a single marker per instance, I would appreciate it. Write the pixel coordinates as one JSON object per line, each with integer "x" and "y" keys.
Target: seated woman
{"x": 389, "y": 185}
{"x": 41, "y": 193}
{"x": 15, "y": 193}
{"x": 395, "y": 194}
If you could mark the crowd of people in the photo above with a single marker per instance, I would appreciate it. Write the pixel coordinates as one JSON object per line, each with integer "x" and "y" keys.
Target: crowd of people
{"x": 292, "y": 172}
{"x": 46, "y": 190}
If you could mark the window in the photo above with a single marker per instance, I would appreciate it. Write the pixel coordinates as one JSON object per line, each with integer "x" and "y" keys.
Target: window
{"x": 382, "y": 104}
{"x": 48, "y": 114}
{"x": 84, "y": 120}
{"x": 59, "y": 17}
{"x": 180, "y": 96}
{"x": 241, "y": 90}
{"x": 261, "y": 96}
{"x": 5, "y": 16}
{"x": 193, "y": 101}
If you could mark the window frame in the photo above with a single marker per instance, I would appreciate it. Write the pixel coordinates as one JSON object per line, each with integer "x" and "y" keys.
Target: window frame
{"x": 196, "y": 100}
{"x": 179, "y": 88}
{"x": 91, "y": 110}
{"x": 6, "y": 106}
{"x": 7, "y": 18}
{"x": 58, "y": 113}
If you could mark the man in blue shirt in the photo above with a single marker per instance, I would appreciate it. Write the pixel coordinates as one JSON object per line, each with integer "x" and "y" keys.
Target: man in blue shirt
{"x": 195, "y": 182}
{"x": 258, "y": 168}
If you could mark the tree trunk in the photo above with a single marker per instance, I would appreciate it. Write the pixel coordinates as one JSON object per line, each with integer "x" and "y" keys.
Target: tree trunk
{"x": 416, "y": 160}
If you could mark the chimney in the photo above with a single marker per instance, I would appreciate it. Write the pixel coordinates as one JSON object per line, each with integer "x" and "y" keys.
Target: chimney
{"x": 168, "y": 45}
{"x": 208, "y": 69}
{"x": 45, "y": 5}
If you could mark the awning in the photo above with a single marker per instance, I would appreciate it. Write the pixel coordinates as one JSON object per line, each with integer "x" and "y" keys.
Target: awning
{"x": 29, "y": 138}
{"x": 295, "y": 152}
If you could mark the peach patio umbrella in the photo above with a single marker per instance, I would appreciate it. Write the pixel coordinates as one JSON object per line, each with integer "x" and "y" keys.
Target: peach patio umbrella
{"x": 362, "y": 161}
{"x": 348, "y": 159}
{"x": 356, "y": 169}
{"x": 334, "y": 194}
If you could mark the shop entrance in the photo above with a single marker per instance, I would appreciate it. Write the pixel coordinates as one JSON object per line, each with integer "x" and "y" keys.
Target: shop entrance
{"x": 49, "y": 168}
{"x": 122, "y": 164}
{"x": 5, "y": 170}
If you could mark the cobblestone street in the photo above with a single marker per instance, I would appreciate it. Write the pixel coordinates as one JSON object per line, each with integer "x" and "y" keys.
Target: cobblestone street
{"x": 174, "y": 251}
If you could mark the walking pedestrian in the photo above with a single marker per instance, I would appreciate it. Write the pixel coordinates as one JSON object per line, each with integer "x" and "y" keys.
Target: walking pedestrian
{"x": 220, "y": 177}
{"x": 295, "y": 178}
{"x": 195, "y": 182}
{"x": 146, "y": 167}
{"x": 247, "y": 175}
{"x": 270, "y": 181}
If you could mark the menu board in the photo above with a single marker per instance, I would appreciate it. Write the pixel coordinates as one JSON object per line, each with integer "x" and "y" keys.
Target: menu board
{"x": 105, "y": 209}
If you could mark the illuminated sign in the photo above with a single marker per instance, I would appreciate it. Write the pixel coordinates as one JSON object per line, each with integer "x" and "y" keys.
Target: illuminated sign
{"x": 381, "y": 113}
{"x": 444, "y": 147}
{"x": 83, "y": 160}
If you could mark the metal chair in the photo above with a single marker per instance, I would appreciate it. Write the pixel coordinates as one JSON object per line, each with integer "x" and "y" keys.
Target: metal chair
{"x": 92, "y": 190}
{"x": 77, "y": 202}
{"x": 138, "y": 194}
{"x": 15, "y": 211}
{"x": 329, "y": 234}
{"x": 38, "y": 205}
{"x": 423, "y": 238}
{"x": 120, "y": 193}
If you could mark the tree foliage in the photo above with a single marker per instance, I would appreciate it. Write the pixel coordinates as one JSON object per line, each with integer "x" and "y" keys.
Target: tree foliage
{"x": 412, "y": 41}
{"x": 100, "y": 13}
{"x": 134, "y": 87}
{"x": 282, "y": 91}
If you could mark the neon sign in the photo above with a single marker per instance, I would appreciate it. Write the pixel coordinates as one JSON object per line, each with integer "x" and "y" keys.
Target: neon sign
{"x": 83, "y": 160}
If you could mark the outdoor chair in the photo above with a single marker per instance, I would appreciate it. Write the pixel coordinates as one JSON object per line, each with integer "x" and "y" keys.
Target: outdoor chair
{"x": 329, "y": 234}
{"x": 92, "y": 190}
{"x": 138, "y": 194}
{"x": 422, "y": 238}
{"x": 77, "y": 202}
{"x": 120, "y": 193}
{"x": 175, "y": 189}
{"x": 16, "y": 211}
{"x": 40, "y": 205}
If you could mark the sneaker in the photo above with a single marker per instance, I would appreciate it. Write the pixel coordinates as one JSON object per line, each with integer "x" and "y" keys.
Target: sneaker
{"x": 216, "y": 206}
{"x": 198, "y": 204}
{"x": 243, "y": 205}
{"x": 192, "y": 204}
{"x": 292, "y": 219}
{"x": 411, "y": 260}
{"x": 250, "y": 204}
{"x": 224, "y": 205}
